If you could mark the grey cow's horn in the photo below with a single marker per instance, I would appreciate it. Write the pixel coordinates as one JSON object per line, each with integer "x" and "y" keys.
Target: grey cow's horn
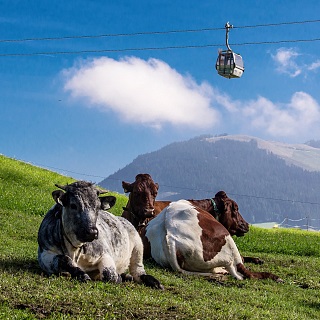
{"x": 61, "y": 187}
{"x": 101, "y": 191}
{"x": 79, "y": 184}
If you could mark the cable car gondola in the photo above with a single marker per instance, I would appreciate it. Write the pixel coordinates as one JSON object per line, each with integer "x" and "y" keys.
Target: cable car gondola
{"x": 229, "y": 64}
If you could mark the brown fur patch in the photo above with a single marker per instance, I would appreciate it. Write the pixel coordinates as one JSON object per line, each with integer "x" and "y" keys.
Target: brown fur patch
{"x": 213, "y": 235}
{"x": 180, "y": 259}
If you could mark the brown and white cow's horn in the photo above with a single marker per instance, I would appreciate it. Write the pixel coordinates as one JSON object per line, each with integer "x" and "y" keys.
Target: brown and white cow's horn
{"x": 221, "y": 194}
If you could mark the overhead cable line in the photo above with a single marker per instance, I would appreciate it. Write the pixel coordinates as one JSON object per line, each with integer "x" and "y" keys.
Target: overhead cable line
{"x": 153, "y": 48}
{"x": 155, "y": 32}
{"x": 180, "y": 188}
{"x": 111, "y": 35}
{"x": 276, "y": 24}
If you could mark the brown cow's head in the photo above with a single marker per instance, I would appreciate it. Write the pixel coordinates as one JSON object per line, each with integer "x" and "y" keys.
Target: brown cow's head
{"x": 142, "y": 196}
{"x": 229, "y": 215}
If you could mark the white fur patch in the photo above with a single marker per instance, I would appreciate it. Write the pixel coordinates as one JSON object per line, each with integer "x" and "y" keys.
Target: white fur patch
{"x": 176, "y": 230}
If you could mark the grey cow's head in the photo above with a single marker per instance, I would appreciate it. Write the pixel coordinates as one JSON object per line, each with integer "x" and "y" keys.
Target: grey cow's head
{"x": 81, "y": 204}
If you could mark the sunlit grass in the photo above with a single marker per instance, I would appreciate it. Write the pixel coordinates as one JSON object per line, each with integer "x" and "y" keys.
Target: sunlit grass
{"x": 284, "y": 241}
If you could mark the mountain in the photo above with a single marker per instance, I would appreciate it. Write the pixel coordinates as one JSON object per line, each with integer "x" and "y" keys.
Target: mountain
{"x": 271, "y": 181}
{"x": 305, "y": 156}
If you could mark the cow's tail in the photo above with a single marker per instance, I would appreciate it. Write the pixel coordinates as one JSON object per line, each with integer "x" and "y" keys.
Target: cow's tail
{"x": 173, "y": 261}
{"x": 171, "y": 254}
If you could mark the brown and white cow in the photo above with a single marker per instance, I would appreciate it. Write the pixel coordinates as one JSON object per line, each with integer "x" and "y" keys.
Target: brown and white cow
{"x": 221, "y": 207}
{"x": 189, "y": 240}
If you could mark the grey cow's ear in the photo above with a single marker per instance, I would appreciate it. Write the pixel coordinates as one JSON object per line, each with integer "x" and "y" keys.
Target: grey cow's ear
{"x": 56, "y": 195}
{"x": 107, "y": 202}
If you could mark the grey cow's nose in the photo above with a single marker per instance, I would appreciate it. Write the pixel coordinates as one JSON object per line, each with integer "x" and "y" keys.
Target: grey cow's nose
{"x": 93, "y": 234}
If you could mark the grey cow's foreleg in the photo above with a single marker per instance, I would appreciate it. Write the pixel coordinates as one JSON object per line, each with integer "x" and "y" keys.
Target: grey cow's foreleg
{"x": 62, "y": 263}
{"x": 137, "y": 270}
{"x": 110, "y": 275}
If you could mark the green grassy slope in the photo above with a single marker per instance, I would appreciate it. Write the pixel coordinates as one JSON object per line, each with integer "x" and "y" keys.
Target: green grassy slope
{"x": 27, "y": 188}
{"x": 25, "y": 293}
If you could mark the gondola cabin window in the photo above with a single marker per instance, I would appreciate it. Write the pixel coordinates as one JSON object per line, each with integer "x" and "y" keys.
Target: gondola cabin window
{"x": 229, "y": 65}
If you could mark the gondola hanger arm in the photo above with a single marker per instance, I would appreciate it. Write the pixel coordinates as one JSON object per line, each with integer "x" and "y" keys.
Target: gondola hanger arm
{"x": 228, "y": 26}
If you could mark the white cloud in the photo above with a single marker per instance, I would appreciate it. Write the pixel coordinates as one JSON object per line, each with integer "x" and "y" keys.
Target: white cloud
{"x": 299, "y": 118}
{"x": 151, "y": 93}
{"x": 146, "y": 92}
{"x": 289, "y": 61}
{"x": 285, "y": 60}
{"x": 314, "y": 65}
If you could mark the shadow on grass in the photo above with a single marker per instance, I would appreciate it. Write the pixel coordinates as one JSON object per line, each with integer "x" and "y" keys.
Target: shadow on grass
{"x": 18, "y": 265}
{"x": 313, "y": 305}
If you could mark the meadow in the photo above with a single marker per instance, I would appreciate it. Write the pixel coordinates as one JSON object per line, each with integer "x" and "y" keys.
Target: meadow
{"x": 26, "y": 293}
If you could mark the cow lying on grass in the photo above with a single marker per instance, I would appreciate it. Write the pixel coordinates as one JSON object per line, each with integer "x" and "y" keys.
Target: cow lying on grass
{"x": 210, "y": 236}
{"x": 224, "y": 210}
{"x": 78, "y": 237}
{"x": 189, "y": 240}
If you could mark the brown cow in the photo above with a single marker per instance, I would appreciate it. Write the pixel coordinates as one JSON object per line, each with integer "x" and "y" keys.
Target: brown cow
{"x": 142, "y": 207}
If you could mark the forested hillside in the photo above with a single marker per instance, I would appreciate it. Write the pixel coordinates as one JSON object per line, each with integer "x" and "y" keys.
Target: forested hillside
{"x": 264, "y": 186}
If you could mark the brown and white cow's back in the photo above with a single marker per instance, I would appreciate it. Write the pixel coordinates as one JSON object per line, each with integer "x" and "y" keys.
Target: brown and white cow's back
{"x": 189, "y": 240}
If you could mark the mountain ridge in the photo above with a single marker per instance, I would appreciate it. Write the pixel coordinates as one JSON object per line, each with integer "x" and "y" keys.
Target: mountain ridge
{"x": 270, "y": 181}
{"x": 298, "y": 154}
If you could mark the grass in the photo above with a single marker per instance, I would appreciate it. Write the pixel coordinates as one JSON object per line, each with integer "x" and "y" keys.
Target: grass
{"x": 25, "y": 293}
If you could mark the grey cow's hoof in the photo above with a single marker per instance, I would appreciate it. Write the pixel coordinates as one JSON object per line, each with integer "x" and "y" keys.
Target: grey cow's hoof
{"x": 83, "y": 277}
{"x": 126, "y": 277}
{"x": 110, "y": 275}
{"x": 151, "y": 281}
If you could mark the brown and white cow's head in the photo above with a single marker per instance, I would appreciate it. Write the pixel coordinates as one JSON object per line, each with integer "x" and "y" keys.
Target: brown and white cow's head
{"x": 143, "y": 192}
{"x": 81, "y": 204}
{"x": 229, "y": 215}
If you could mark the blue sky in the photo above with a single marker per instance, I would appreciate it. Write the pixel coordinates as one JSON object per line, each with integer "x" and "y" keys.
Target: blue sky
{"x": 86, "y": 105}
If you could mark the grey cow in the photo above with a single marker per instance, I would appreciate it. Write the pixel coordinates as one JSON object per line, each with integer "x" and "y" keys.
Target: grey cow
{"x": 78, "y": 237}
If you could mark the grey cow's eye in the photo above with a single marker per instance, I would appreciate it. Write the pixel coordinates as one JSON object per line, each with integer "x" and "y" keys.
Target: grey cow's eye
{"x": 73, "y": 206}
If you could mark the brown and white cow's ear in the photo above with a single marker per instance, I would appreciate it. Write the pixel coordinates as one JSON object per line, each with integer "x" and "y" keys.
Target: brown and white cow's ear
{"x": 127, "y": 187}
{"x": 107, "y": 202}
{"x": 221, "y": 194}
{"x": 157, "y": 185}
{"x": 56, "y": 195}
